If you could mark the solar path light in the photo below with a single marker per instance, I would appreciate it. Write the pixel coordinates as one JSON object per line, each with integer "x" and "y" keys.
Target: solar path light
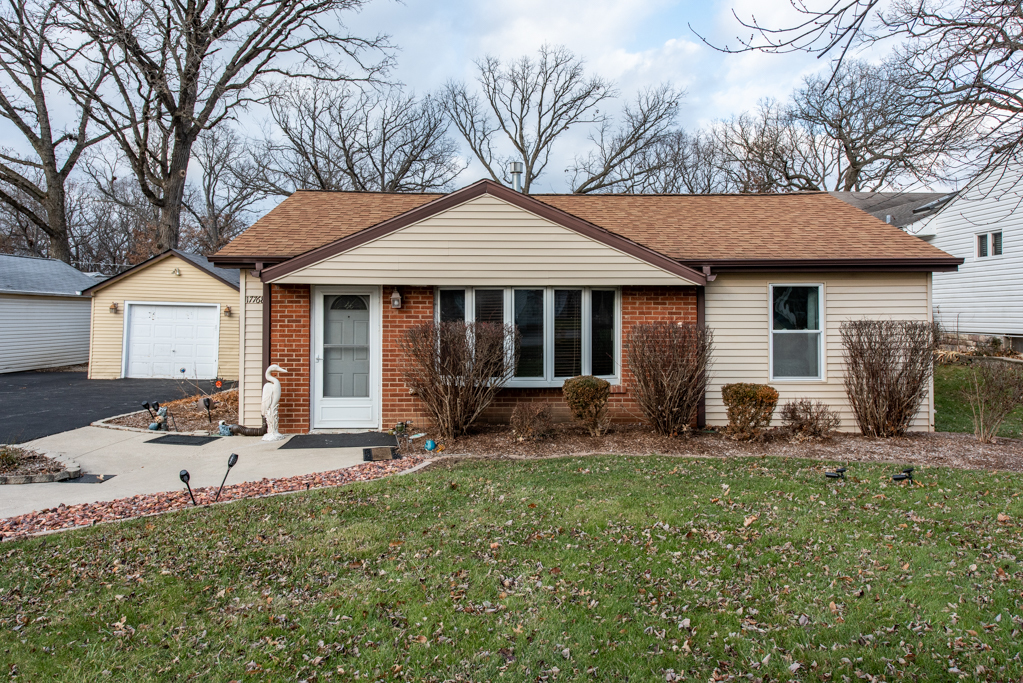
{"x": 231, "y": 462}
{"x": 183, "y": 476}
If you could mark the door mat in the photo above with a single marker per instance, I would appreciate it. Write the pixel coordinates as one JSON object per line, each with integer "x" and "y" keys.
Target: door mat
{"x": 361, "y": 440}
{"x": 184, "y": 440}
{"x": 91, "y": 479}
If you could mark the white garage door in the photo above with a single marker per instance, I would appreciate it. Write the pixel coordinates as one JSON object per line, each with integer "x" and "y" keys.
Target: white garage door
{"x": 163, "y": 339}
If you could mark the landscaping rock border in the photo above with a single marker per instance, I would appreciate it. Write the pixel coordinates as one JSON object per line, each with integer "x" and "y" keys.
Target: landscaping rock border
{"x": 105, "y": 423}
{"x": 72, "y": 470}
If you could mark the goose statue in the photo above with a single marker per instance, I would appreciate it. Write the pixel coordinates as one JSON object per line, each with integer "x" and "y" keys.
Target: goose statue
{"x": 271, "y": 397}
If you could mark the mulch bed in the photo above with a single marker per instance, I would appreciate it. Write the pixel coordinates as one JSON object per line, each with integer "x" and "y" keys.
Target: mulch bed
{"x": 942, "y": 449}
{"x": 85, "y": 514}
{"x": 18, "y": 461}
{"x": 188, "y": 414}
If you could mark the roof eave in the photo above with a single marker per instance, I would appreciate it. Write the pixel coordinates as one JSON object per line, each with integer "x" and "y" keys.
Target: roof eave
{"x": 930, "y": 265}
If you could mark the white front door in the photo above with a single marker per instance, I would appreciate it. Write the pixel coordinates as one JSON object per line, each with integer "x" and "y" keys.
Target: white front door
{"x": 162, "y": 339}
{"x": 346, "y": 362}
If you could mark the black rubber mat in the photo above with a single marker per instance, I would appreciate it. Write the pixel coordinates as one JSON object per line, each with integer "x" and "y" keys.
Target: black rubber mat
{"x": 361, "y": 440}
{"x": 91, "y": 479}
{"x": 183, "y": 440}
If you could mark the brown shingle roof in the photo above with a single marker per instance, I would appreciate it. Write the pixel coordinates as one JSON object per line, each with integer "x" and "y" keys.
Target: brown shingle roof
{"x": 689, "y": 228}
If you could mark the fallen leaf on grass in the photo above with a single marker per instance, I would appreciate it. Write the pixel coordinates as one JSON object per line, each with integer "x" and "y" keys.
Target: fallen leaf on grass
{"x": 749, "y": 520}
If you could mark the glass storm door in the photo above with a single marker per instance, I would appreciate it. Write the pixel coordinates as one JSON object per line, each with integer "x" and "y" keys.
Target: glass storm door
{"x": 344, "y": 368}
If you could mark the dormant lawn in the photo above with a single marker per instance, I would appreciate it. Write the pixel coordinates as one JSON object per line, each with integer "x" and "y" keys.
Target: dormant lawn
{"x": 595, "y": 568}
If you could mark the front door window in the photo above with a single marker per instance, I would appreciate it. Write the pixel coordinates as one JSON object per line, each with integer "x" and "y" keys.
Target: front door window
{"x": 346, "y": 346}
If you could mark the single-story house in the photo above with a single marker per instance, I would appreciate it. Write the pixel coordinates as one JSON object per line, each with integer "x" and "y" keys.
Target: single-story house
{"x": 983, "y": 225}
{"x": 174, "y": 315}
{"x": 331, "y": 280}
{"x": 44, "y": 318}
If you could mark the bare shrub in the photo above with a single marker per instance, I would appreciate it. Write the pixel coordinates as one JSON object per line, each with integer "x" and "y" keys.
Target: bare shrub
{"x": 532, "y": 421}
{"x": 994, "y": 389}
{"x": 669, "y": 363}
{"x": 587, "y": 397}
{"x": 750, "y": 407}
{"x": 806, "y": 420}
{"x": 457, "y": 368}
{"x": 888, "y": 365}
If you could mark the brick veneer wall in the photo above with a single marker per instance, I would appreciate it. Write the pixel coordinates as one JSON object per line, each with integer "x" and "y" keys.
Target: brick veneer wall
{"x": 290, "y": 348}
{"x": 290, "y": 339}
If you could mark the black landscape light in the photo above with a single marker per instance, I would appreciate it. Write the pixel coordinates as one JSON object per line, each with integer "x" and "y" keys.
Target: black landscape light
{"x": 206, "y": 404}
{"x": 231, "y": 462}
{"x": 183, "y": 476}
{"x": 839, "y": 473}
{"x": 156, "y": 405}
{"x": 145, "y": 404}
{"x": 906, "y": 474}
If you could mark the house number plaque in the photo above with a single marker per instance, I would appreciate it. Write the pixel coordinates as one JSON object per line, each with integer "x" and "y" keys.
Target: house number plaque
{"x": 253, "y": 299}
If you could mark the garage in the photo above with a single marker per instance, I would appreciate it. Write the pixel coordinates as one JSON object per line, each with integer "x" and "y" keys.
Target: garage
{"x": 172, "y": 340}
{"x": 174, "y": 312}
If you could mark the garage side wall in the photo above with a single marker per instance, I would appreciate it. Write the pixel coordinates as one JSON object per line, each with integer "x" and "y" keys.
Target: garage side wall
{"x": 42, "y": 332}
{"x": 156, "y": 283}
{"x": 737, "y": 310}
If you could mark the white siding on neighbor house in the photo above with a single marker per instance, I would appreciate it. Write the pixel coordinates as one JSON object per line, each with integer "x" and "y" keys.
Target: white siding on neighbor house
{"x": 485, "y": 241}
{"x": 42, "y": 331}
{"x": 737, "y": 311}
{"x": 985, "y": 295}
{"x": 250, "y": 389}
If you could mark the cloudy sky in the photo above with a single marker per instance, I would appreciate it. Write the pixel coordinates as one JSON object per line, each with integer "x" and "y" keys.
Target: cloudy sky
{"x": 636, "y": 43}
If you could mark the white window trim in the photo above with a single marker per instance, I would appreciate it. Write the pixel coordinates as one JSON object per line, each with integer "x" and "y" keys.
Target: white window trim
{"x": 821, "y": 348}
{"x": 548, "y": 380}
{"x": 990, "y": 244}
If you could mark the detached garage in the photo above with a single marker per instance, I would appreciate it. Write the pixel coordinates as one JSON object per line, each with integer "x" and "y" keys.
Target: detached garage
{"x": 44, "y": 318}
{"x": 174, "y": 315}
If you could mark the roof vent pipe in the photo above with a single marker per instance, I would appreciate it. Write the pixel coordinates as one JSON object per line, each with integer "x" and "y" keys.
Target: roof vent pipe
{"x": 516, "y": 169}
{"x": 888, "y": 219}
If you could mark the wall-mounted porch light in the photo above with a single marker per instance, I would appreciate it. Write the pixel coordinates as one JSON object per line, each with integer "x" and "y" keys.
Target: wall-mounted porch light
{"x": 227, "y": 311}
{"x": 113, "y": 307}
{"x": 395, "y": 298}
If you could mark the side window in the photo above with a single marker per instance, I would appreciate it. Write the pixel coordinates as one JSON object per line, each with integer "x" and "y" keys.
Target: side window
{"x": 795, "y": 332}
{"x": 982, "y": 246}
{"x": 996, "y": 243}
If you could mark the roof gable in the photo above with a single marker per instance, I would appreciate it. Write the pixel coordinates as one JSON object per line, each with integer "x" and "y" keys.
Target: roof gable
{"x": 196, "y": 261}
{"x": 550, "y": 242}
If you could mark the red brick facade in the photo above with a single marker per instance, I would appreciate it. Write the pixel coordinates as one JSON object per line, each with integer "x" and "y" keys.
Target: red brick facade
{"x": 291, "y": 338}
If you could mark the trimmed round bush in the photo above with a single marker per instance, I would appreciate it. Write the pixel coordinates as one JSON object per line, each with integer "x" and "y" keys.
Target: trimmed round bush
{"x": 587, "y": 398}
{"x": 750, "y": 407}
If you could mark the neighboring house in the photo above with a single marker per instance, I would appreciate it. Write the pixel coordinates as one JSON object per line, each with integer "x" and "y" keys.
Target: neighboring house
{"x": 331, "y": 280}
{"x": 983, "y": 225}
{"x": 174, "y": 312}
{"x": 901, "y": 209}
{"x": 44, "y": 319}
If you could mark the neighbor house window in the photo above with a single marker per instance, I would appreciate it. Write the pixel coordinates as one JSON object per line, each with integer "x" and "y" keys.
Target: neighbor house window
{"x": 565, "y": 332}
{"x": 796, "y": 344}
{"x": 989, "y": 244}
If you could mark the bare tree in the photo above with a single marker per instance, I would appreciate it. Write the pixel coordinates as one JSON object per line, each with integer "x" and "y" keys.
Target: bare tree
{"x": 528, "y": 104}
{"x": 679, "y": 162}
{"x": 769, "y": 151}
{"x": 183, "y": 66}
{"x": 966, "y": 56}
{"x": 880, "y": 131}
{"x": 33, "y": 185}
{"x": 624, "y": 152}
{"x": 339, "y": 137}
{"x": 218, "y": 203}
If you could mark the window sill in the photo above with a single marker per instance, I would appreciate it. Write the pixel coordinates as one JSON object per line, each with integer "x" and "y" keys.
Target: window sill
{"x": 799, "y": 380}
{"x": 549, "y": 384}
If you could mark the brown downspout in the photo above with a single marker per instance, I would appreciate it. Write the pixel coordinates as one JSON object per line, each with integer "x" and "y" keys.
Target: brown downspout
{"x": 701, "y": 320}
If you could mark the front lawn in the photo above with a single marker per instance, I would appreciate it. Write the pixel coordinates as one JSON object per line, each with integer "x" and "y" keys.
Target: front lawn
{"x": 606, "y": 568}
{"x": 952, "y": 412}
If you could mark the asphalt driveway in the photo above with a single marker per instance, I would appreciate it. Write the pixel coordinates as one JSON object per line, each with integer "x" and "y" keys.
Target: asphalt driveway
{"x": 38, "y": 404}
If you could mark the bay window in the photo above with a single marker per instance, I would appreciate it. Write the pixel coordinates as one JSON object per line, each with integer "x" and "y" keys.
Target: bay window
{"x": 796, "y": 343}
{"x": 565, "y": 332}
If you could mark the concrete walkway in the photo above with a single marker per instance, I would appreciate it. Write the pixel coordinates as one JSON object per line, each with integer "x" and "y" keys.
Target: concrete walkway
{"x": 153, "y": 468}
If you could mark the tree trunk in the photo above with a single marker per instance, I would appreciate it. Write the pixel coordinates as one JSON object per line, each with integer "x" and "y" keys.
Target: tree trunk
{"x": 56, "y": 212}
{"x": 169, "y": 229}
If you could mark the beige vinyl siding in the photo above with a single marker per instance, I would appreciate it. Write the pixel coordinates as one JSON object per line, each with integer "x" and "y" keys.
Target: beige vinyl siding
{"x": 737, "y": 310}
{"x": 42, "y": 331}
{"x": 251, "y": 381}
{"x": 156, "y": 283}
{"x": 484, "y": 241}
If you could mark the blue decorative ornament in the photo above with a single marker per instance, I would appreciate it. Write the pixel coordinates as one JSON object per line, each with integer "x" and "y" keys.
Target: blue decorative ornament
{"x": 224, "y": 430}
{"x": 154, "y": 426}
{"x": 431, "y": 445}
